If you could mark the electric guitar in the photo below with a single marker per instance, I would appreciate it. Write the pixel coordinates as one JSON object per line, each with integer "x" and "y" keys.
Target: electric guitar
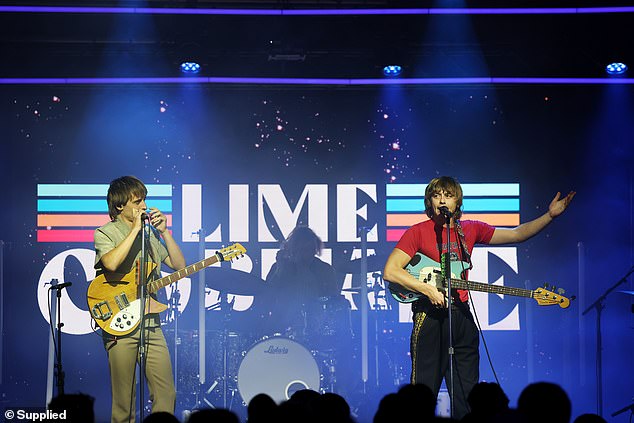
{"x": 428, "y": 271}
{"x": 113, "y": 298}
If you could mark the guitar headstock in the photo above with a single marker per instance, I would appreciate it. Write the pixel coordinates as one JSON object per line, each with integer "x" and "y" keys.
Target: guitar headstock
{"x": 231, "y": 252}
{"x": 545, "y": 297}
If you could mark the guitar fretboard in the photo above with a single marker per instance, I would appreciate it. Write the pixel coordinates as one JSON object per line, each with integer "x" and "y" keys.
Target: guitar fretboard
{"x": 154, "y": 286}
{"x": 479, "y": 286}
{"x": 495, "y": 289}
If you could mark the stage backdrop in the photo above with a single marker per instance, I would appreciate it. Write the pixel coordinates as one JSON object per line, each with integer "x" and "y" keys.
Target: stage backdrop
{"x": 248, "y": 163}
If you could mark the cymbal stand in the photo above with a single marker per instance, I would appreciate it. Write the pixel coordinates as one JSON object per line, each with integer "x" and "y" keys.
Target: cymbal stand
{"x": 363, "y": 234}
{"x": 174, "y": 313}
{"x": 225, "y": 306}
{"x": 376, "y": 289}
{"x": 331, "y": 363}
{"x": 202, "y": 332}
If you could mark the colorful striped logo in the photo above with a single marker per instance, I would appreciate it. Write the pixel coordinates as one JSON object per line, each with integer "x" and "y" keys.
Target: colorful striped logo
{"x": 495, "y": 204}
{"x": 72, "y": 212}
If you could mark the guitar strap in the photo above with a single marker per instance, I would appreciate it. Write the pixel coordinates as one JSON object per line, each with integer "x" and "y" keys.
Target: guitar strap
{"x": 463, "y": 245}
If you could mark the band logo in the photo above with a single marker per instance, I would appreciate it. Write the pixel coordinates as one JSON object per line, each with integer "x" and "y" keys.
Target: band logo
{"x": 260, "y": 215}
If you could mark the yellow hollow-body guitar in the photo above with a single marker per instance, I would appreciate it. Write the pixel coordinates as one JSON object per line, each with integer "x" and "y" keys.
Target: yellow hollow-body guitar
{"x": 114, "y": 298}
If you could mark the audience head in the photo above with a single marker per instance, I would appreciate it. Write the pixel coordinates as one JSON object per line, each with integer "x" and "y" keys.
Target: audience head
{"x": 261, "y": 408}
{"x": 332, "y": 408}
{"x": 487, "y": 399}
{"x": 422, "y": 396}
{"x": 544, "y": 402}
{"x": 161, "y": 417}
{"x": 590, "y": 418}
{"x": 78, "y": 407}
{"x": 215, "y": 415}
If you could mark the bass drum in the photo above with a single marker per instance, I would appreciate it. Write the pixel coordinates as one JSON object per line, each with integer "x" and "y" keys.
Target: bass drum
{"x": 277, "y": 367}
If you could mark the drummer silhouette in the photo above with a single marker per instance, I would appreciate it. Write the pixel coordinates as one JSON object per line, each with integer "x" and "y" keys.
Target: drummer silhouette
{"x": 298, "y": 285}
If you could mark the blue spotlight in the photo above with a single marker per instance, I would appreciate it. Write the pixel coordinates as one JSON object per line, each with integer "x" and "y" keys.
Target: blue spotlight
{"x": 616, "y": 68}
{"x": 392, "y": 70}
{"x": 190, "y": 67}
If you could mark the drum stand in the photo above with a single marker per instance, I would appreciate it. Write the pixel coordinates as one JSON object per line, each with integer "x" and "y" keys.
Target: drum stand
{"x": 329, "y": 361}
{"x": 226, "y": 306}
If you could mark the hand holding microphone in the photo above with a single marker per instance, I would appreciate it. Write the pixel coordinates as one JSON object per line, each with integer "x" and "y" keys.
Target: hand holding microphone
{"x": 156, "y": 218}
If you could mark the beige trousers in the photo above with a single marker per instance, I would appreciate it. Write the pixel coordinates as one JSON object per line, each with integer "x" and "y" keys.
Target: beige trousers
{"x": 122, "y": 357}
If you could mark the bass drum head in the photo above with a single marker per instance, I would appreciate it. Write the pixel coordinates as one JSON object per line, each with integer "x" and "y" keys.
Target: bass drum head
{"x": 277, "y": 367}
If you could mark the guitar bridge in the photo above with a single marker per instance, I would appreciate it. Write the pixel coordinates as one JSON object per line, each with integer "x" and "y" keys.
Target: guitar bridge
{"x": 98, "y": 313}
{"x": 122, "y": 301}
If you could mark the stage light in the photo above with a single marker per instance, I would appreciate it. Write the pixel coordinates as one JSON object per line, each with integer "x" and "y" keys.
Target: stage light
{"x": 616, "y": 68}
{"x": 392, "y": 70}
{"x": 190, "y": 67}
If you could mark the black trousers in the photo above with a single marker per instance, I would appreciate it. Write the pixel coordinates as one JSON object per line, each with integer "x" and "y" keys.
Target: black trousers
{"x": 430, "y": 351}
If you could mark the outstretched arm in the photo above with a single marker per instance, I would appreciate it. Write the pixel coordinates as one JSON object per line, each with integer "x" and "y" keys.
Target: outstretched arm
{"x": 532, "y": 228}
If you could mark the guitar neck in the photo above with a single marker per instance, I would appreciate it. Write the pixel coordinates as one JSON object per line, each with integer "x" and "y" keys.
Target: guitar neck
{"x": 154, "y": 286}
{"x": 494, "y": 289}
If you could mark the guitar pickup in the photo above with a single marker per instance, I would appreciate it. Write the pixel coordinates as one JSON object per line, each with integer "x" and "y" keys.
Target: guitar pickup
{"x": 122, "y": 301}
{"x": 98, "y": 313}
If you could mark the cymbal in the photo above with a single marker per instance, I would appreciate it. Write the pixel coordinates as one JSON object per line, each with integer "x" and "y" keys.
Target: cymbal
{"x": 375, "y": 262}
{"x": 627, "y": 292}
{"x": 231, "y": 281}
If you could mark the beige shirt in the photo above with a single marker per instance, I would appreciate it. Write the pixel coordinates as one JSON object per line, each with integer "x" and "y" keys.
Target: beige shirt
{"x": 112, "y": 234}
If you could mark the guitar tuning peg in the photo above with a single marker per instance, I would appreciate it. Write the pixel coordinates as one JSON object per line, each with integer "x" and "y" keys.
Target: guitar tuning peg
{"x": 561, "y": 291}
{"x": 546, "y": 286}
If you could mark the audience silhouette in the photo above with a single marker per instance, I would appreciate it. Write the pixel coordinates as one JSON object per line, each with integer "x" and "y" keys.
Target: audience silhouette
{"x": 544, "y": 402}
{"x": 161, "y": 417}
{"x": 487, "y": 402}
{"x": 78, "y": 407}
{"x": 541, "y": 402}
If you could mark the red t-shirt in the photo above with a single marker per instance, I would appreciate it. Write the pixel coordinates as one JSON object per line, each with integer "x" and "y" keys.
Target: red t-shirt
{"x": 426, "y": 238}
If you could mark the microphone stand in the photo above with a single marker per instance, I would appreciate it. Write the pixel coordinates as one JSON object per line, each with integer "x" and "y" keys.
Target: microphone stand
{"x": 599, "y": 306}
{"x": 624, "y": 409}
{"x": 446, "y": 267}
{"x": 174, "y": 303}
{"x": 143, "y": 298}
{"x": 58, "y": 364}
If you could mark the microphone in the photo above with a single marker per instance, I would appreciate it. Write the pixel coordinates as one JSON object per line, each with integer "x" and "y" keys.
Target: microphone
{"x": 145, "y": 216}
{"x": 445, "y": 212}
{"x": 61, "y": 285}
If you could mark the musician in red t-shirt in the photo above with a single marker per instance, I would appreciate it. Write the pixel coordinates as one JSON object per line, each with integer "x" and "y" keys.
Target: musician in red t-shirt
{"x": 429, "y": 345}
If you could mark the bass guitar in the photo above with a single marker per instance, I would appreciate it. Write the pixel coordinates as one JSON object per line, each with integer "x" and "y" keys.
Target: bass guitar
{"x": 114, "y": 298}
{"x": 428, "y": 271}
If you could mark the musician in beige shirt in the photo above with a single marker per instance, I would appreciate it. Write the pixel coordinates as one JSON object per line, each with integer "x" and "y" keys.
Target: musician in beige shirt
{"x": 117, "y": 247}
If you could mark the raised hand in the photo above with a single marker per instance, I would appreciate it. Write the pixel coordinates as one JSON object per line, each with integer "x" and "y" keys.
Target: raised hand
{"x": 158, "y": 220}
{"x": 558, "y": 205}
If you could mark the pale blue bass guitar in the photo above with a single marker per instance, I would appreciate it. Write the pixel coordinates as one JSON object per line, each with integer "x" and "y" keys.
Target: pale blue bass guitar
{"x": 428, "y": 271}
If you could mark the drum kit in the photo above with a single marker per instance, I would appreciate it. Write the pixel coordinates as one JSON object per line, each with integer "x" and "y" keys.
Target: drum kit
{"x": 242, "y": 362}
